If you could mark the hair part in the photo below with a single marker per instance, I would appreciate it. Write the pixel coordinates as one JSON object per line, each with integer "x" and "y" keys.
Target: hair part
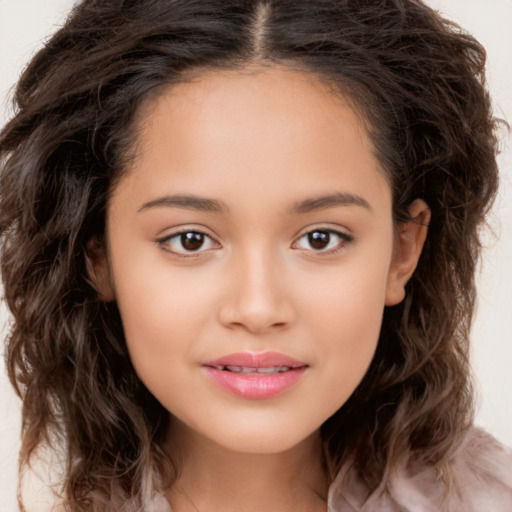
{"x": 419, "y": 82}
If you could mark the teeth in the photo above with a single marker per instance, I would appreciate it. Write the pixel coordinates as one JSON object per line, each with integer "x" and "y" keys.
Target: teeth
{"x": 273, "y": 369}
{"x": 248, "y": 369}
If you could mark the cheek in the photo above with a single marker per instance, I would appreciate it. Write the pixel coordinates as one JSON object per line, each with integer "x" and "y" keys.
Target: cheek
{"x": 161, "y": 311}
{"x": 152, "y": 292}
{"x": 345, "y": 318}
{"x": 351, "y": 324}
{"x": 167, "y": 313}
{"x": 349, "y": 298}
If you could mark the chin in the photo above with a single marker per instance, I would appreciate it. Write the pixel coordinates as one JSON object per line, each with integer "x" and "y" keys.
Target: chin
{"x": 261, "y": 440}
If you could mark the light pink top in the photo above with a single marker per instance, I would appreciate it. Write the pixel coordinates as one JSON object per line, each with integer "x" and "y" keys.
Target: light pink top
{"x": 483, "y": 471}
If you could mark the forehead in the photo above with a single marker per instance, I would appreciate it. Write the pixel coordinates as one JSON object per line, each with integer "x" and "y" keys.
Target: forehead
{"x": 251, "y": 129}
{"x": 248, "y": 97}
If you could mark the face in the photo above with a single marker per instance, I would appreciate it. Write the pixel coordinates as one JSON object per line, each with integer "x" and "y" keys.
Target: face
{"x": 251, "y": 254}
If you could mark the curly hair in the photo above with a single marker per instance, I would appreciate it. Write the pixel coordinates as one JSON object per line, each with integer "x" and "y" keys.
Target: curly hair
{"x": 417, "y": 80}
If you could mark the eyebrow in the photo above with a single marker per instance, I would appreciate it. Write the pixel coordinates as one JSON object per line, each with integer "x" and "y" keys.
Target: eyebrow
{"x": 188, "y": 202}
{"x": 203, "y": 204}
{"x": 330, "y": 201}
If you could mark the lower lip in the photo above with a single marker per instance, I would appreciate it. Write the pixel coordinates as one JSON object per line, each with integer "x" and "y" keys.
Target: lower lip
{"x": 255, "y": 386}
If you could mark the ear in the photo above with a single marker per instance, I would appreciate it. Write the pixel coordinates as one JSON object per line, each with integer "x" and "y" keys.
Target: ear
{"x": 98, "y": 269}
{"x": 410, "y": 238}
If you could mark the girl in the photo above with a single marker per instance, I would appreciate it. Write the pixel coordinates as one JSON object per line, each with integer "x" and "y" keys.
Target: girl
{"x": 238, "y": 244}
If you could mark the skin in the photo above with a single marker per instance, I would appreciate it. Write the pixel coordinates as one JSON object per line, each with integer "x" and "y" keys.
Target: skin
{"x": 260, "y": 143}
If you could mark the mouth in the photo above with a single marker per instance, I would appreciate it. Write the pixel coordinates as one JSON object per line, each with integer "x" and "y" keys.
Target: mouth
{"x": 248, "y": 370}
{"x": 248, "y": 362}
{"x": 255, "y": 376}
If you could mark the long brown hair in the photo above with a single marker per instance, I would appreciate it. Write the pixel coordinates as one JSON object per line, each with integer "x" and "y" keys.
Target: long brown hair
{"x": 417, "y": 79}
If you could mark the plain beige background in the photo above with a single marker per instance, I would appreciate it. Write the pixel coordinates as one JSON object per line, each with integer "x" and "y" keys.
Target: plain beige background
{"x": 23, "y": 27}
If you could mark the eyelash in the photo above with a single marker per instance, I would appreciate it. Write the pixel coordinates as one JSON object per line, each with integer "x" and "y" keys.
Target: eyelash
{"x": 344, "y": 240}
{"x": 163, "y": 242}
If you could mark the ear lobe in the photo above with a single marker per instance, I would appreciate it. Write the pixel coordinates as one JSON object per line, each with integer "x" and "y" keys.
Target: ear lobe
{"x": 98, "y": 270}
{"x": 410, "y": 239}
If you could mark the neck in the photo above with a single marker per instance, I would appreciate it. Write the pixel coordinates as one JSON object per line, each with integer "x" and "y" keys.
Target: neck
{"x": 214, "y": 479}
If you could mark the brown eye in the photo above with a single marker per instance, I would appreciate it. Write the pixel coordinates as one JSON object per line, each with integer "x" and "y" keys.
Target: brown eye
{"x": 192, "y": 241}
{"x": 323, "y": 240}
{"x": 319, "y": 239}
{"x": 187, "y": 243}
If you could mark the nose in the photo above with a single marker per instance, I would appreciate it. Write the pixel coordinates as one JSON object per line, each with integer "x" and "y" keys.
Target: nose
{"x": 257, "y": 300}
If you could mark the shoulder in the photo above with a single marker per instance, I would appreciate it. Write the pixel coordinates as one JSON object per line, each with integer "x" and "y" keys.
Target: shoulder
{"x": 160, "y": 504}
{"x": 483, "y": 474}
{"x": 157, "y": 504}
{"x": 481, "y": 471}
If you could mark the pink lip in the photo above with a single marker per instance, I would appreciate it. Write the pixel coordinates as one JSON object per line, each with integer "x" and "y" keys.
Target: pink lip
{"x": 253, "y": 385}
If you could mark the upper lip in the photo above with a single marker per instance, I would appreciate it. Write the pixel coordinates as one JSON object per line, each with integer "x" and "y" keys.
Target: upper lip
{"x": 262, "y": 360}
